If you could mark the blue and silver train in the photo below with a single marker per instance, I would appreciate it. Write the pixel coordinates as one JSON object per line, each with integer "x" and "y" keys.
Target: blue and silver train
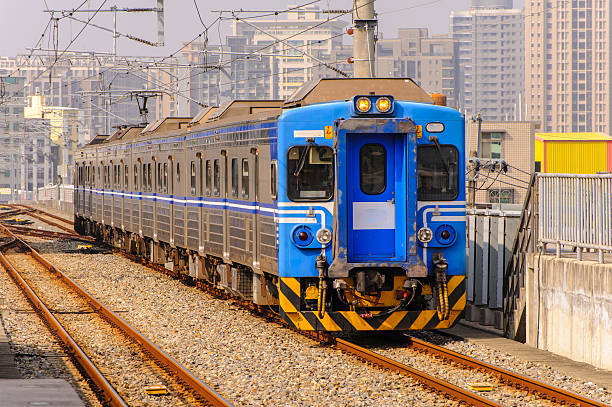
{"x": 343, "y": 206}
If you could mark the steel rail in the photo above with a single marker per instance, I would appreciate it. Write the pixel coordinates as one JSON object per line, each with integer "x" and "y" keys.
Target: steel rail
{"x": 110, "y": 395}
{"x": 49, "y": 214}
{"x": 325, "y": 338}
{"x": 50, "y": 222}
{"x": 24, "y": 230}
{"x": 549, "y": 392}
{"x": 457, "y": 392}
{"x": 160, "y": 356}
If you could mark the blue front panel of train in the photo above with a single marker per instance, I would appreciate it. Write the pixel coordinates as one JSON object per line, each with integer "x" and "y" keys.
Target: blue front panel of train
{"x": 294, "y": 128}
{"x": 368, "y": 243}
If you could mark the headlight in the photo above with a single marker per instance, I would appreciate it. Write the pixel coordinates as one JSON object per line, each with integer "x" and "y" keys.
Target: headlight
{"x": 324, "y": 236}
{"x": 363, "y": 105}
{"x": 383, "y": 104}
{"x": 424, "y": 235}
{"x": 445, "y": 234}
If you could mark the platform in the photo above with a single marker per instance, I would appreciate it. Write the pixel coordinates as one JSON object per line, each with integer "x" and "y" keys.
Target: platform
{"x": 17, "y": 392}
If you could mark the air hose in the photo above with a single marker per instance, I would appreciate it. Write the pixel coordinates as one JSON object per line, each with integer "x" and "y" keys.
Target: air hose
{"x": 321, "y": 266}
{"x": 442, "y": 306}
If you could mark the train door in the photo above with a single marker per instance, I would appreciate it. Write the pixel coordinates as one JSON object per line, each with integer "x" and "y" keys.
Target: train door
{"x": 255, "y": 197}
{"x": 171, "y": 194}
{"x": 200, "y": 195}
{"x": 224, "y": 193}
{"x": 139, "y": 178}
{"x": 376, "y": 197}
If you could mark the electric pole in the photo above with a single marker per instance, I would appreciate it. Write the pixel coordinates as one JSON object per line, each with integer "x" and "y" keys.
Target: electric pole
{"x": 364, "y": 26}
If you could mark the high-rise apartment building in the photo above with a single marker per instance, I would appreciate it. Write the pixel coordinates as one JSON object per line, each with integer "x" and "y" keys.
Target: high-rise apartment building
{"x": 310, "y": 33}
{"x": 491, "y": 57}
{"x": 568, "y": 59}
{"x": 429, "y": 61}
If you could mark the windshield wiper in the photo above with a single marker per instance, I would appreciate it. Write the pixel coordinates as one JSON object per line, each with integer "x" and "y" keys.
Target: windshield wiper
{"x": 302, "y": 159}
{"x": 434, "y": 139}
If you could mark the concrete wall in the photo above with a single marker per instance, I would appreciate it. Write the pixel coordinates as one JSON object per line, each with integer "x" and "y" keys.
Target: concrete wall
{"x": 569, "y": 308}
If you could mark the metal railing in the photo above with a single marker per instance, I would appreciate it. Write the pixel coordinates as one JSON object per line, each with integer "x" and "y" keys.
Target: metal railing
{"x": 62, "y": 193}
{"x": 575, "y": 211}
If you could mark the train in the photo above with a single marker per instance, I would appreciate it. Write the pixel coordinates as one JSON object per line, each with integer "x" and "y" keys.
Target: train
{"x": 342, "y": 207}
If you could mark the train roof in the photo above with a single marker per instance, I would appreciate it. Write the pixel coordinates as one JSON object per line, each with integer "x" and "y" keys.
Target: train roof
{"x": 312, "y": 92}
{"x": 329, "y": 89}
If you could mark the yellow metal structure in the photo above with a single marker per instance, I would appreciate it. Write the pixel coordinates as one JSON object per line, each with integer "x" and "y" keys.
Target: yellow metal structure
{"x": 573, "y": 153}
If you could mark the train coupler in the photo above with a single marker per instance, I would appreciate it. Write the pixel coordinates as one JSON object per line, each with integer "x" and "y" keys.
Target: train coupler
{"x": 441, "y": 286}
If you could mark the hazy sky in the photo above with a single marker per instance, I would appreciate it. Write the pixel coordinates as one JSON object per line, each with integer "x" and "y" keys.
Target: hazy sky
{"x": 23, "y": 21}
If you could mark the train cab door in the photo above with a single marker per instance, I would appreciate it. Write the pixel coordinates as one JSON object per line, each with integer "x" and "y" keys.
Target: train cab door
{"x": 376, "y": 221}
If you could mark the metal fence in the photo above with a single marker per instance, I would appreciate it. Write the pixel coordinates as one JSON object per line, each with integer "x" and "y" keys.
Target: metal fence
{"x": 575, "y": 212}
{"x": 62, "y": 193}
{"x": 490, "y": 236}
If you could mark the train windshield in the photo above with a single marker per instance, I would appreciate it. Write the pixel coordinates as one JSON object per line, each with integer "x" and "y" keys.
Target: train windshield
{"x": 310, "y": 173}
{"x": 438, "y": 174}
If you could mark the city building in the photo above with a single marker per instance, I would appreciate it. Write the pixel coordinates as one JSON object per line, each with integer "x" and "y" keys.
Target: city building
{"x": 312, "y": 38}
{"x": 63, "y": 127}
{"x": 26, "y": 157}
{"x": 512, "y": 142}
{"x": 430, "y": 61}
{"x": 567, "y": 74}
{"x": 490, "y": 38}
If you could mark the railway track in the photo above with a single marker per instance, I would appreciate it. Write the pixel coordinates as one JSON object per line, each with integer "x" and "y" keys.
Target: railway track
{"x": 542, "y": 390}
{"x": 156, "y": 361}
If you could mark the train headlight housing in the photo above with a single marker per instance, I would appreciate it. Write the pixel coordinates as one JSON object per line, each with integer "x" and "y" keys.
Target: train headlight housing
{"x": 445, "y": 234}
{"x": 324, "y": 236}
{"x": 373, "y": 105}
{"x": 383, "y": 104}
{"x": 363, "y": 104}
{"x": 424, "y": 235}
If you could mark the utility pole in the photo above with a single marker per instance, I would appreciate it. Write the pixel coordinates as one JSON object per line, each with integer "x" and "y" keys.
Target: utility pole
{"x": 364, "y": 26}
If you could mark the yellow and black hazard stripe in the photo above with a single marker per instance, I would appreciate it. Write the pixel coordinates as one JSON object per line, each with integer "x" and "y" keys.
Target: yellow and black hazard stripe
{"x": 289, "y": 297}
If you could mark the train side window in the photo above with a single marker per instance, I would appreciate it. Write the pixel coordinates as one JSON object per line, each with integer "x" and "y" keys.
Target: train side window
{"x": 135, "y": 177}
{"x": 144, "y": 177}
{"x": 235, "y": 177}
{"x": 178, "y": 172}
{"x": 126, "y": 177}
{"x": 160, "y": 181}
{"x": 245, "y": 178}
{"x": 437, "y": 173}
{"x": 193, "y": 179}
{"x": 208, "y": 177}
{"x": 217, "y": 179}
{"x": 149, "y": 178}
{"x": 165, "y": 178}
{"x": 310, "y": 173}
{"x": 273, "y": 180}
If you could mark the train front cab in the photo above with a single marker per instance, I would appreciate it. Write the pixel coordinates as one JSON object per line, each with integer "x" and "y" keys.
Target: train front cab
{"x": 396, "y": 259}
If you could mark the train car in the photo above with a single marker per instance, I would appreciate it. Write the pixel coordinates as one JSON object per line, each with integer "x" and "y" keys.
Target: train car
{"x": 342, "y": 206}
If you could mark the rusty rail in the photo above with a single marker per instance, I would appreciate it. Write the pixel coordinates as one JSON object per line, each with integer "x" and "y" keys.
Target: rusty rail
{"x": 429, "y": 381}
{"x": 49, "y": 214}
{"x": 547, "y": 391}
{"x": 165, "y": 360}
{"x": 109, "y": 394}
{"x": 345, "y": 346}
{"x": 24, "y": 230}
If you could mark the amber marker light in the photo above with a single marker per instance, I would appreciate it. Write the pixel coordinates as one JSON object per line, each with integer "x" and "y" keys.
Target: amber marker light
{"x": 363, "y": 105}
{"x": 383, "y": 104}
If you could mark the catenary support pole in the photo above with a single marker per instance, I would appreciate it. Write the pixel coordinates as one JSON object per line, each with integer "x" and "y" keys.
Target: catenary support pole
{"x": 364, "y": 22}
